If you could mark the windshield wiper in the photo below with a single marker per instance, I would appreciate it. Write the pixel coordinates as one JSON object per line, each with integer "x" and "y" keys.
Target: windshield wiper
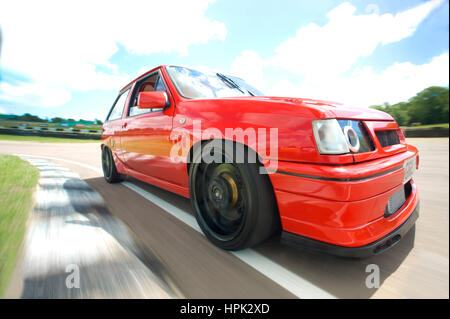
{"x": 230, "y": 82}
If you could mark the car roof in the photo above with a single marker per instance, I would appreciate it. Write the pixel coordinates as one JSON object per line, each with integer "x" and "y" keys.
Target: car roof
{"x": 141, "y": 76}
{"x": 160, "y": 67}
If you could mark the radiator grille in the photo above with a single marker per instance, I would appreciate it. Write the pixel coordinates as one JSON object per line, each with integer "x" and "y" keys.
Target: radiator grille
{"x": 388, "y": 137}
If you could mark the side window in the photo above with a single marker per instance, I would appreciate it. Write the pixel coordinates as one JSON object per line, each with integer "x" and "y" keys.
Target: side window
{"x": 160, "y": 85}
{"x": 117, "y": 110}
{"x": 149, "y": 84}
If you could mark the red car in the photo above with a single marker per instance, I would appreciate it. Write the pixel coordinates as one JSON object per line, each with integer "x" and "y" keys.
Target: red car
{"x": 331, "y": 178}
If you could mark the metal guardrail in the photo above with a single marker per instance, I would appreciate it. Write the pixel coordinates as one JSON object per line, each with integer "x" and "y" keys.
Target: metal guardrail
{"x": 427, "y": 132}
{"x": 88, "y": 134}
{"x": 51, "y": 133}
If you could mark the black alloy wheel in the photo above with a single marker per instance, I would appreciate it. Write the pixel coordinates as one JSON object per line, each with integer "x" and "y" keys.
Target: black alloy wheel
{"x": 109, "y": 167}
{"x": 234, "y": 205}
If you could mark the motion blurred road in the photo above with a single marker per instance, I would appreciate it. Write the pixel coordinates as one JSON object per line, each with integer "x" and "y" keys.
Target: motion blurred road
{"x": 418, "y": 267}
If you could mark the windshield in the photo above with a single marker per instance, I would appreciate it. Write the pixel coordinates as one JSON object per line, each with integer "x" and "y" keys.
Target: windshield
{"x": 195, "y": 84}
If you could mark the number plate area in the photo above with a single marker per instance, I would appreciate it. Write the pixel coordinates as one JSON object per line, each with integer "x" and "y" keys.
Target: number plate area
{"x": 410, "y": 168}
{"x": 395, "y": 202}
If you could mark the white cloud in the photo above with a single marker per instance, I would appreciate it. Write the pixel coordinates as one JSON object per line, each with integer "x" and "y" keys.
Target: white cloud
{"x": 34, "y": 94}
{"x": 65, "y": 45}
{"x": 323, "y": 59}
{"x": 249, "y": 66}
{"x": 318, "y": 51}
{"x": 364, "y": 87}
{"x": 2, "y": 110}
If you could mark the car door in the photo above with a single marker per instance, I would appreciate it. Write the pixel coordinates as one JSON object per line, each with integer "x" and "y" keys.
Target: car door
{"x": 112, "y": 129}
{"x": 145, "y": 133}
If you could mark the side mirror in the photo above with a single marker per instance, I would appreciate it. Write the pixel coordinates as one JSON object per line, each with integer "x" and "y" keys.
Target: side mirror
{"x": 153, "y": 100}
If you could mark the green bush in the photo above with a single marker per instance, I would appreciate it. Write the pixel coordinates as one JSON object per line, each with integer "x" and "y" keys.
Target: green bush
{"x": 429, "y": 106}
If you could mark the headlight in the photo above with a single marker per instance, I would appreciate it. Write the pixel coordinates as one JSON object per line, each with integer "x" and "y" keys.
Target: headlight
{"x": 329, "y": 137}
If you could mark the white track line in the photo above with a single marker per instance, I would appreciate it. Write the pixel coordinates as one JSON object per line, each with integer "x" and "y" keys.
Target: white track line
{"x": 290, "y": 281}
{"x": 93, "y": 168}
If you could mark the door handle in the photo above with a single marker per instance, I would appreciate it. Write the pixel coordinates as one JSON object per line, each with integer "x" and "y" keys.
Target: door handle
{"x": 125, "y": 125}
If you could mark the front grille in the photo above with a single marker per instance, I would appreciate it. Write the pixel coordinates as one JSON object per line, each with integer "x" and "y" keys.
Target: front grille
{"x": 397, "y": 200}
{"x": 388, "y": 137}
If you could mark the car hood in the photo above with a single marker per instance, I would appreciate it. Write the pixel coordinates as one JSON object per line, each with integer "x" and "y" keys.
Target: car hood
{"x": 327, "y": 109}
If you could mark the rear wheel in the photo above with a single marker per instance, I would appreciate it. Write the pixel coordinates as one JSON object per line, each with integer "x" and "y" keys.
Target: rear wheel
{"x": 233, "y": 203}
{"x": 109, "y": 167}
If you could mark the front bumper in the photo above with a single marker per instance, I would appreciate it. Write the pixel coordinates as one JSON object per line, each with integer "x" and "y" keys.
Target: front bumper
{"x": 343, "y": 205}
{"x": 368, "y": 250}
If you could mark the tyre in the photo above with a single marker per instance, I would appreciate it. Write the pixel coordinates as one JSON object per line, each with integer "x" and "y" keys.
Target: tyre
{"x": 233, "y": 203}
{"x": 109, "y": 167}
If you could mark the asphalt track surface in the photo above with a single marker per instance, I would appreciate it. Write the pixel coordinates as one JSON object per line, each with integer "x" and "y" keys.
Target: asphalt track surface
{"x": 74, "y": 248}
{"x": 163, "y": 225}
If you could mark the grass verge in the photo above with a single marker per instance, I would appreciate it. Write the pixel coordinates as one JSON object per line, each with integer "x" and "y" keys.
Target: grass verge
{"x": 445, "y": 125}
{"x": 42, "y": 139}
{"x": 17, "y": 181}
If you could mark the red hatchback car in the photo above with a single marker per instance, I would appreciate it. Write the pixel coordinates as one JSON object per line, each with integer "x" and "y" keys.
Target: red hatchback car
{"x": 330, "y": 178}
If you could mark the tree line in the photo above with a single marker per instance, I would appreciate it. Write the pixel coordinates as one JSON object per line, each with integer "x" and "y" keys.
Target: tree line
{"x": 27, "y": 117}
{"x": 429, "y": 106}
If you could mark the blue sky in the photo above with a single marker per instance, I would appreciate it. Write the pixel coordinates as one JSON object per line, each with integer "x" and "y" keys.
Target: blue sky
{"x": 70, "y": 60}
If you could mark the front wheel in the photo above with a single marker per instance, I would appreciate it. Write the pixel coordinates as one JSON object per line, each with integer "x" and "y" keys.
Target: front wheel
{"x": 233, "y": 203}
{"x": 109, "y": 167}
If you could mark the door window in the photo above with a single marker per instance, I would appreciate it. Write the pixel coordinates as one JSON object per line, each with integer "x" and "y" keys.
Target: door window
{"x": 117, "y": 109}
{"x": 149, "y": 84}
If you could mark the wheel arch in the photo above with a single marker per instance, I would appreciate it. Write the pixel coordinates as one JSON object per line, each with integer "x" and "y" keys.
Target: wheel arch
{"x": 203, "y": 142}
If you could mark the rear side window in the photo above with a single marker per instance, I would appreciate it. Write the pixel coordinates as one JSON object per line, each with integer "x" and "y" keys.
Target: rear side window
{"x": 117, "y": 109}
